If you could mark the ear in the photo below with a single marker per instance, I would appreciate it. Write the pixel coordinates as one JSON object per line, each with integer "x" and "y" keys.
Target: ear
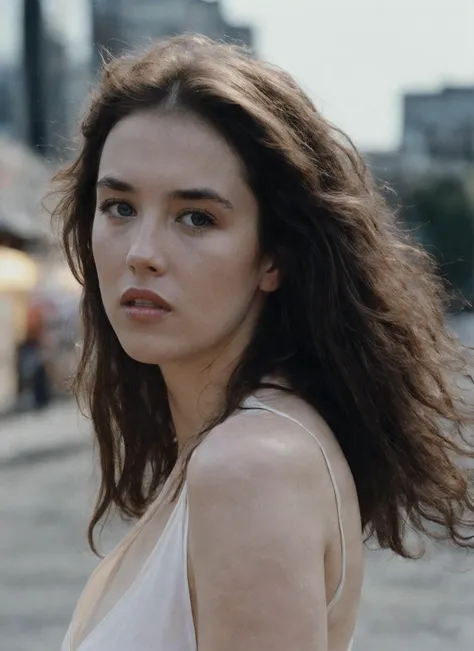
{"x": 271, "y": 278}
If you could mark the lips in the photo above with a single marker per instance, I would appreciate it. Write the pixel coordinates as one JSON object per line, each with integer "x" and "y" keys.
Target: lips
{"x": 145, "y": 298}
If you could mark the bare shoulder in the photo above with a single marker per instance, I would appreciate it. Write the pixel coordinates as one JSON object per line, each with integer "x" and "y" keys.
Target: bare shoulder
{"x": 259, "y": 507}
{"x": 256, "y": 452}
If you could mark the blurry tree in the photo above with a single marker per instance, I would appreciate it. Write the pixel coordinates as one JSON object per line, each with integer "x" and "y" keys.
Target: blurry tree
{"x": 441, "y": 213}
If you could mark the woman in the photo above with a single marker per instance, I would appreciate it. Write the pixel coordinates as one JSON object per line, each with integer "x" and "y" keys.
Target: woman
{"x": 265, "y": 361}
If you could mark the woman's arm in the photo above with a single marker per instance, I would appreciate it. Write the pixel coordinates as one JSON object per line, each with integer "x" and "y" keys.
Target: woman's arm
{"x": 258, "y": 532}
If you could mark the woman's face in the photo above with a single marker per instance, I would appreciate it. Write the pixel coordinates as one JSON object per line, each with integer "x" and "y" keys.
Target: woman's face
{"x": 175, "y": 241}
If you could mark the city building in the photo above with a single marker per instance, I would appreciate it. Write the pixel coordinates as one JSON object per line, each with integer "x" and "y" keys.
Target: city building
{"x": 35, "y": 93}
{"x": 437, "y": 138}
{"x": 54, "y": 73}
{"x": 440, "y": 126}
{"x": 107, "y": 23}
{"x": 55, "y": 86}
{"x": 7, "y": 74}
{"x": 122, "y": 24}
{"x": 77, "y": 89}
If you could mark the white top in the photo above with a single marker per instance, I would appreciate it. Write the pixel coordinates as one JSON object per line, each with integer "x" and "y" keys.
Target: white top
{"x": 154, "y": 612}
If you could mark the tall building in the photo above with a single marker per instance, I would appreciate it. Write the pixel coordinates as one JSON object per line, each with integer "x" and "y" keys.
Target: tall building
{"x": 7, "y": 75}
{"x": 107, "y": 25}
{"x": 34, "y": 87}
{"x": 122, "y": 24}
{"x": 54, "y": 75}
{"x": 55, "y": 80}
{"x": 437, "y": 138}
{"x": 440, "y": 126}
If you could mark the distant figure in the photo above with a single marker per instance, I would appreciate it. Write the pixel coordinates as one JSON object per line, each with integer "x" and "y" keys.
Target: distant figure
{"x": 265, "y": 359}
{"x": 33, "y": 382}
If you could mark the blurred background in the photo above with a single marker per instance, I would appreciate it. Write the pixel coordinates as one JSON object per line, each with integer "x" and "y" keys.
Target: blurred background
{"x": 396, "y": 76}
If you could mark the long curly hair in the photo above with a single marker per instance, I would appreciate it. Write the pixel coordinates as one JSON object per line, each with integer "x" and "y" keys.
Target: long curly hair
{"x": 357, "y": 327}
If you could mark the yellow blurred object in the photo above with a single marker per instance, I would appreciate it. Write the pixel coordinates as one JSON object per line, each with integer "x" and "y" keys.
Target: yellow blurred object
{"x": 18, "y": 272}
{"x": 19, "y": 275}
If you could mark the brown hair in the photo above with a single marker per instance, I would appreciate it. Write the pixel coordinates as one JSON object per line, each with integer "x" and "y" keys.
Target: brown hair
{"x": 357, "y": 327}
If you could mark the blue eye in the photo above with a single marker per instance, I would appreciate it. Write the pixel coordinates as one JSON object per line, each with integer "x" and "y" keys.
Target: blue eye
{"x": 122, "y": 209}
{"x": 196, "y": 219}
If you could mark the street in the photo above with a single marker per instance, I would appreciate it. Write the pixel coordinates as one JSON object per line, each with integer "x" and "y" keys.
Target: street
{"x": 46, "y": 495}
{"x": 45, "y": 501}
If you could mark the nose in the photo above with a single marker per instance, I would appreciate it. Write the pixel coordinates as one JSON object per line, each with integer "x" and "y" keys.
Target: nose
{"x": 145, "y": 255}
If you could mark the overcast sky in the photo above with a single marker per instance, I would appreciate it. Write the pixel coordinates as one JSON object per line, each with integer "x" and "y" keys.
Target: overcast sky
{"x": 354, "y": 57}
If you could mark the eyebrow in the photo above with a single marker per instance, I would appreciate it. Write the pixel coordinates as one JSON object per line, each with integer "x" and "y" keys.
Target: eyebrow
{"x": 114, "y": 184}
{"x": 188, "y": 194}
{"x": 201, "y": 194}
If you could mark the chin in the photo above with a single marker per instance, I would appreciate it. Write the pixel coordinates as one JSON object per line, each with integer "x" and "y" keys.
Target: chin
{"x": 144, "y": 357}
{"x": 150, "y": 350}
{"x": 147, "y": 355}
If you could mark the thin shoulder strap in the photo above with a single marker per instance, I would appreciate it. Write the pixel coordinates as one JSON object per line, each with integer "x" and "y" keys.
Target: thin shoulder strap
{"x": 254, "y": 402}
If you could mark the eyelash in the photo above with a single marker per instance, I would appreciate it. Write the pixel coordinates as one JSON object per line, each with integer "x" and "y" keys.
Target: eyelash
{"x": 104, "y": 207}
{"x": 107, "y": 204}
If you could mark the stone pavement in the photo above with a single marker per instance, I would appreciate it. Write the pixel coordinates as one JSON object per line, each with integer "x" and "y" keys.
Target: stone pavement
{"x": 47, "y": 484}
{"x": 46, "y": 497}
{"x": 49, "y": 433}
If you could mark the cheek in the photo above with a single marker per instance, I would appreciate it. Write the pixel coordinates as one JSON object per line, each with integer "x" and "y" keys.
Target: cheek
{"x": 104, "y": 250}
{"x": 97, "y": 241}
{"x": 227, "y": 272}
{"x": 240, "y": 262}
{"x": 106, "y": 262}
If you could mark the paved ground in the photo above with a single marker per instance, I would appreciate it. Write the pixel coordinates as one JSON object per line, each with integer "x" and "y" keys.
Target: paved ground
{"x": 46, "y": 489}
{"x": 46, "y": 494}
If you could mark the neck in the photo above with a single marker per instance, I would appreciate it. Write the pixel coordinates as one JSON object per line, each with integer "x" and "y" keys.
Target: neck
{"x": 196, "y": 392}
{"x": 197, "y": 387}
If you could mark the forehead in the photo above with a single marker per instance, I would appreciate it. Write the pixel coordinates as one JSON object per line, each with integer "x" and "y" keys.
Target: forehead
{"x": 172, "y": 149}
